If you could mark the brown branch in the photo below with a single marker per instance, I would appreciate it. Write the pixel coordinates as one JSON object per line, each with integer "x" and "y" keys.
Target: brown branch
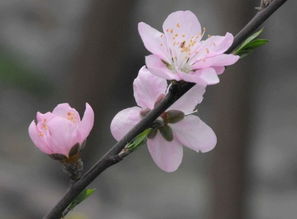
{"x": 176, "y": 91}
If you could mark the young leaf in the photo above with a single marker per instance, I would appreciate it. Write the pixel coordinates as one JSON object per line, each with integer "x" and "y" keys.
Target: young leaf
{"x": 80, "y": 198}
{"x": 251, "y": 43}
{"x": 139, "y": 139}
{"x": 249, "y": 39}
{"x": 256, "y": 43}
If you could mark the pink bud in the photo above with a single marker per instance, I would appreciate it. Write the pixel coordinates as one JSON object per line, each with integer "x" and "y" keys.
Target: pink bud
{"x": 58, "y": 131}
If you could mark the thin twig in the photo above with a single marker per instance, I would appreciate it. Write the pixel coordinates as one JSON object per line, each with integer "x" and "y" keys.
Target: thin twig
{"x": 255, "y": 22}
{"x": 176, "y": 91}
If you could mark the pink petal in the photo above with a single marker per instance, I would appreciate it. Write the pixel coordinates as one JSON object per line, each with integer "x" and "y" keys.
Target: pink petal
{"x": 195, "y": 134}
{"x": 147, "y": 88}
{"x": 181, "y": 27}
{"x": 209, "y": 76}
{"x": 218, "y": 60}
{"x": 87, "y": 123}
{"x": 44, "y": 117}
{"x": 167, "y": 155}
{"x": 184, "y": 22}
{"x": 218, "y": 44}
{"x": 206, "y": 76}
{"x": 154, "y": 41}
{"x": 158, "y": 68}
{"x": 124, "y": 121}
{"x": 66, "y": 111}
{"x": 37, "y": 139}
{"x": 193, "y": 77}
{"x": 189, "y": 100}
{"x": 62, "y": 109}
{"x": 63, "y": 135}
{"x": 219, "y": 69}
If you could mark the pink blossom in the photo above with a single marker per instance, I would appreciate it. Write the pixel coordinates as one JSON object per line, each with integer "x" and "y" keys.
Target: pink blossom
{"x": 58, "y": 131}
{"x": 175, "y": 128}
{"x": 180, "y": 54}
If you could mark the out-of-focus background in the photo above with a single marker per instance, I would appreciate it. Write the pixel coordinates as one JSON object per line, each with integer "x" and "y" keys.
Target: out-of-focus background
{"x": 76, "y": 51}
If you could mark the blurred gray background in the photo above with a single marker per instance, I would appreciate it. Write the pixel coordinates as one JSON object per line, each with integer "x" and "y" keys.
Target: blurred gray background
{"x": 76, "y": 51}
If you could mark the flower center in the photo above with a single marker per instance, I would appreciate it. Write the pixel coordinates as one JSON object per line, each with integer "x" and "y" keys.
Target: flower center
{"x": 182, "y": 48}
{"x": 163, "y": 124}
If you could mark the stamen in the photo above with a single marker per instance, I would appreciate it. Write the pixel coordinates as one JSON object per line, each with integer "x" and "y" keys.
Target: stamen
{"x": 203, "y": 32}
{"x": 182, "y": 45}
{"x": 71, "y": 116}
{"x": 44, "y": 126}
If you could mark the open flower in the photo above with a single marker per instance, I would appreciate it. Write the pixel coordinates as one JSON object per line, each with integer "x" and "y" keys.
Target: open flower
{"x": 59, "y": 131}
{"x": 180, "y": 54}
{"x": 175, "y": 128}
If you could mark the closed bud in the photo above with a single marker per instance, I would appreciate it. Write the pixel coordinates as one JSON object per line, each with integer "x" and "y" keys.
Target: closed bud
{"x": 166, "y": 132}
{"x": 61, "y": 132}
{"x": 174, "y": 116}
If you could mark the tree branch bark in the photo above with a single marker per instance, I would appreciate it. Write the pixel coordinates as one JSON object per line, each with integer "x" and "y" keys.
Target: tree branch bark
{"x": 175, "y": 92}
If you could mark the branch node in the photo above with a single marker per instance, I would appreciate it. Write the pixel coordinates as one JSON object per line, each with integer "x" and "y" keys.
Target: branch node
{"x": 263, "y": 4}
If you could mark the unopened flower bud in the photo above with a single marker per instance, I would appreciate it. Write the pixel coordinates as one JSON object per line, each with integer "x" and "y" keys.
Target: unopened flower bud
{"x": 166, "y": 132}
{"x": 61, "y": 133}
{"x": 173, "y": 116}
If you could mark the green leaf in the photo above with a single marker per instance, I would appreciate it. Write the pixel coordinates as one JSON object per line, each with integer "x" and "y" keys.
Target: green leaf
{"x": 256, "y": 43}
{"x": 153, "y": 133}
{"x": 139, "y": 139}
{"x": 249, "y": 39}
{"x": 80, "y": 198}
{"x": 251, "y": 43}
